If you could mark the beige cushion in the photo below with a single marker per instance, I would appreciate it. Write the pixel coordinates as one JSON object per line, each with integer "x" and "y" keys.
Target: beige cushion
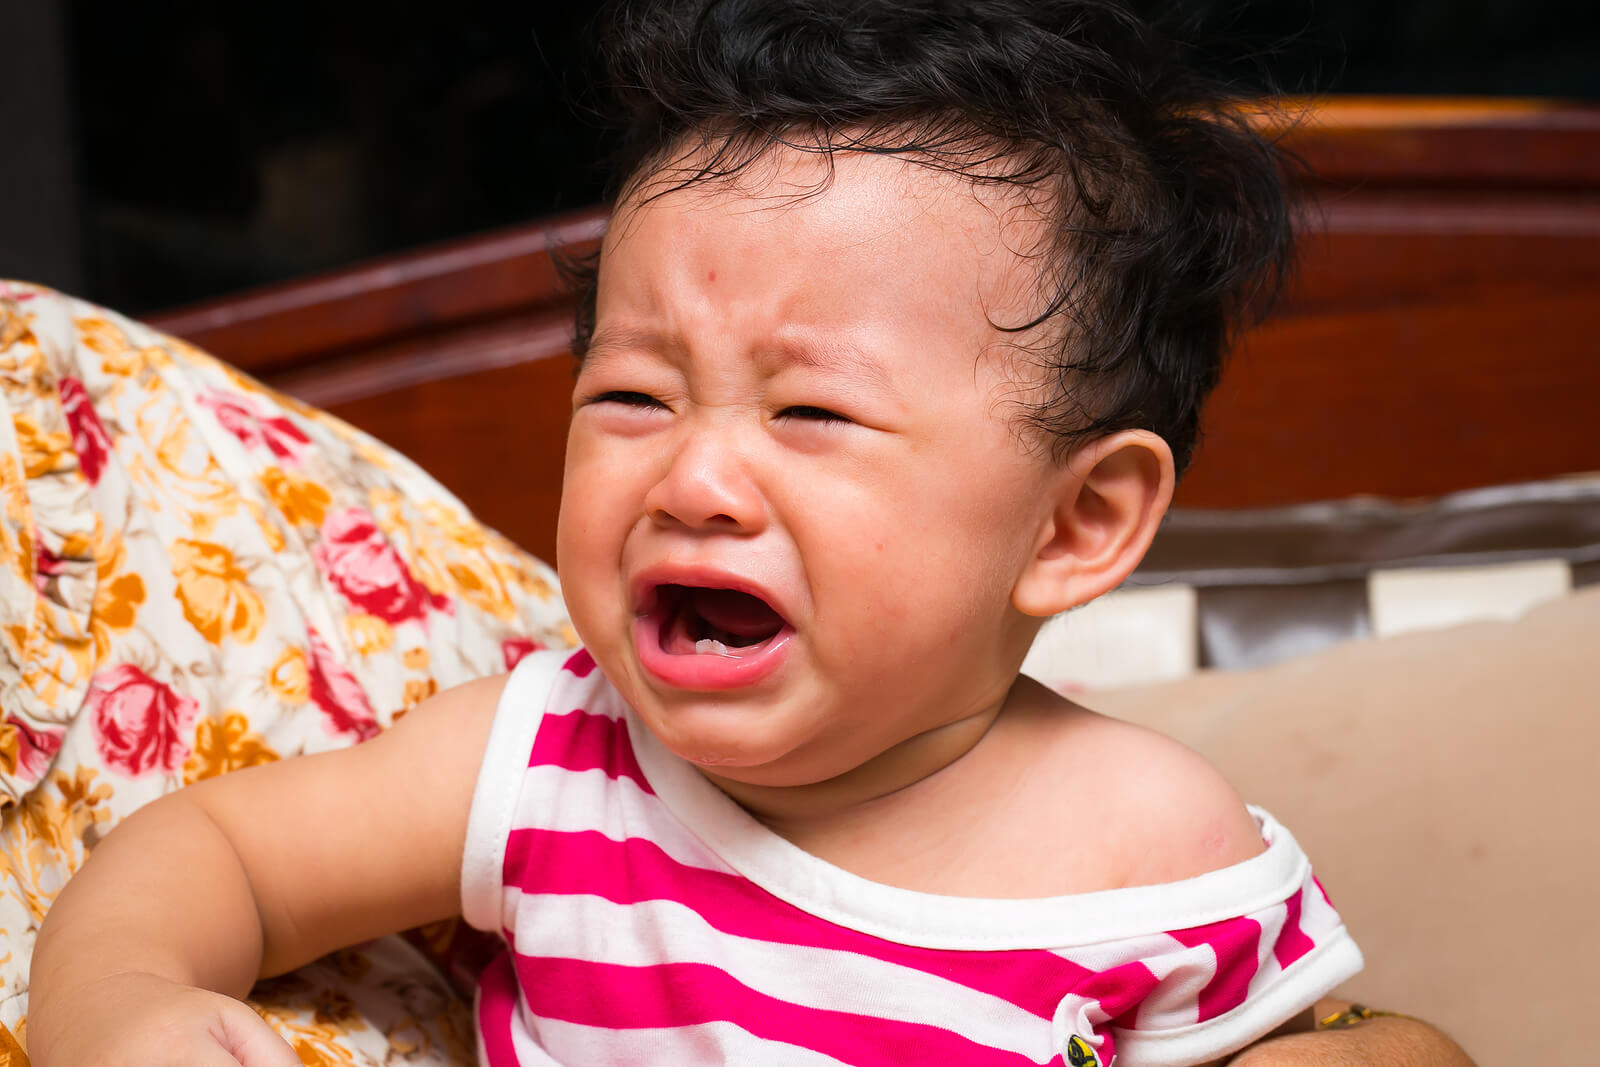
{"x": 1447, "y": 786}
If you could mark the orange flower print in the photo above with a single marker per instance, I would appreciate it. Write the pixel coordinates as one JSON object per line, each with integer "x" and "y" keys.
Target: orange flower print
{"x": 369, "y": 635}
{"x": 319, "y": 1050}
{"x": 45, "y": 838}
{"x": 452, "y": 556}
{"x": 18, "y": 524}
{"x": 42, "y": 450}
{"x": 290, "y": 677}
{"x": 418, "y": 690}
{"x": 479, "y": 583}
{"x": 124, "y": 362}
{"x": 223, "y": 746}
{"x": 99, "y": 335}
{"x": 459, "y": 547}
{"x": 366, "y": 449}
{"x": 26, "y": 366}
{"x": 119, "y": 355}
{"x": 270, "y": 525}
{"x": 10, "y": 1051}
{"x": 521, "y": 571}
{"x": 140, "y": 724}
{"x": 300, "y": 499}
{"x": 13, "y": 325}
{"x": 117, "y": 596}
{"x": 49, "y": 653}
{"x": 215, "y": 592}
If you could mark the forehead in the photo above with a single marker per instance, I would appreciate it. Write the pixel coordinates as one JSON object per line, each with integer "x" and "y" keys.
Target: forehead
{"x": 783, "y": 174}
{"x": 863, "y": 224}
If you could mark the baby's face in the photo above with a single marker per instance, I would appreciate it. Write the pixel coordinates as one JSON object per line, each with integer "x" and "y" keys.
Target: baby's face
{"x": 796, "y": 499}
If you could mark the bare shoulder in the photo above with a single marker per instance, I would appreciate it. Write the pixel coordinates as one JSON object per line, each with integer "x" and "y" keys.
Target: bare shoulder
{"x": 1157, "y": 810}
{"x": 427, "y": 763}
{"x": 439, "y": 744}
{"x": 455, "y": 721}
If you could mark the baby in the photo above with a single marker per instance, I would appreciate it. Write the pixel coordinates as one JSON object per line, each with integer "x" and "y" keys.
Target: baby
{"x": 895, "y": 349}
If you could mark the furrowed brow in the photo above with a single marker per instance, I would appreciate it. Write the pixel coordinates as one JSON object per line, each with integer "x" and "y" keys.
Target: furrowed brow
{"x": 614, "y": 340}
{"x": 837, "y": 357}
{"x": 830, "y": 355}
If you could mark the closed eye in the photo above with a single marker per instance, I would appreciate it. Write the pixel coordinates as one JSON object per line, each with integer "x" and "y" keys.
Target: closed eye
{"x": 811, "y": 413}
{"x": 626, "y": 397}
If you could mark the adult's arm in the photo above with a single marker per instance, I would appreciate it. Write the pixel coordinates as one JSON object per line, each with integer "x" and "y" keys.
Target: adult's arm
{"x": 1380, "y": 1041}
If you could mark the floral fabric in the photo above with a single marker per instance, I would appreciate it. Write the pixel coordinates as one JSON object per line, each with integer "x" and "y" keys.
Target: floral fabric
{"x": 198, "y": 575}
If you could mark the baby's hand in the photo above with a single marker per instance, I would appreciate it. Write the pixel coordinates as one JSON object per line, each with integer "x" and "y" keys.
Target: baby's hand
{"x": 141, "y": 1020}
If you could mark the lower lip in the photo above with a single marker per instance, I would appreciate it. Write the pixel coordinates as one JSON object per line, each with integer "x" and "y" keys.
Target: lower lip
{"x": 706, "y": 672}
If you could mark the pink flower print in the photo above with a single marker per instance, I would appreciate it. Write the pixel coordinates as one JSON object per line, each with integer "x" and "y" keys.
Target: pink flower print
{"x": 276, "y": 433}
{"x": 46, "y": 565}
{"x": 512, "y": 649}
{"x": 140, "y": 724}
{"x": 26, "y": 751}
{"x": 354, "y": 555}
{"x": 89, "y": 438}
{"x": 335, "y": 690}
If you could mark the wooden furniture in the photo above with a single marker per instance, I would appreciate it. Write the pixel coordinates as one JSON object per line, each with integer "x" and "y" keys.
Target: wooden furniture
{"x": 1439, "y": 335}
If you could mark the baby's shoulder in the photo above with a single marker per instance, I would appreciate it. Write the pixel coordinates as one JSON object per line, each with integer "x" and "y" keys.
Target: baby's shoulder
{"x": 1155, "y": 809}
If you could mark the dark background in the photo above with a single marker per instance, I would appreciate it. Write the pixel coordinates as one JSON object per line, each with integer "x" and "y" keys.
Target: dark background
{"x": 161, "y": 152}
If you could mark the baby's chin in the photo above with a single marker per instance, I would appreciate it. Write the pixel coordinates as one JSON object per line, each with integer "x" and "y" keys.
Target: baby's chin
{"x": 721, "y": 738}
{"x": 742, "y": 744}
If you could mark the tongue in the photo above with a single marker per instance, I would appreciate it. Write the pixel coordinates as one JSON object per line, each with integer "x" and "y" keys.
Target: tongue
{"x": 744, "y": 616}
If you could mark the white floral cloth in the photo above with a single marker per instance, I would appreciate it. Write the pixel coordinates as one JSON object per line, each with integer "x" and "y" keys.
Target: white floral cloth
{"x": 196, "y": 575}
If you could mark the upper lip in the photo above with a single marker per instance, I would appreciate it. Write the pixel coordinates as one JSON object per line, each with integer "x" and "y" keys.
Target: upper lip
{"x": 698, "y": 576}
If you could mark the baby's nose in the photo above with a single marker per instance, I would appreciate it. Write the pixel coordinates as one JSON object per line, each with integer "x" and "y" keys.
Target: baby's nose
{"x": 708, "y": 486}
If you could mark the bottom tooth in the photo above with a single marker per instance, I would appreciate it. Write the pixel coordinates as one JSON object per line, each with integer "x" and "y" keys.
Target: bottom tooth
{"x": 711, "y": 644}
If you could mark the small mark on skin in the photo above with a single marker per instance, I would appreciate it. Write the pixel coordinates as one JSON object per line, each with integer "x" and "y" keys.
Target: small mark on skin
{"x": 880, "y": 546}
{"x": 711, "y": 275}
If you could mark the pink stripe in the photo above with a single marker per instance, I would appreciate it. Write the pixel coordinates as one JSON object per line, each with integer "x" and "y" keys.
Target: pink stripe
{"x": 497, "y": 1007}
{"x": 1120, "y": 990}
{"x": 580, "y": 663}
{"x": 579, "y": 741}
{"x": 1236, "y": 944}
{"x": 1292, "y": 941}
{"x": 627, "y": 872}
{"x": 686, "y": 994}
{"x": 1325, "y": 897}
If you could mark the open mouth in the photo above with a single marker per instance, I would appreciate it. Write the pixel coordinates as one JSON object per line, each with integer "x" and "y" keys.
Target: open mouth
{"x": 707, "y": 638}
{"x": 723, "y": 622}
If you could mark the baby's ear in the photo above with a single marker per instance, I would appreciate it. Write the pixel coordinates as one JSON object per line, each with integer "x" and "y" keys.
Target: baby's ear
{"x": 1109, "y": 500}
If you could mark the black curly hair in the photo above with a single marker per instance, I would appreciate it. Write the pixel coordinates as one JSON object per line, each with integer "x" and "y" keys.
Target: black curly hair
{"x": 1170, "y": 224}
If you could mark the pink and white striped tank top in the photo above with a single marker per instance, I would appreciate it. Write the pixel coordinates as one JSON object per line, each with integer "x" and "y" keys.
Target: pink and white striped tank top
{"x": 649, "y": 920}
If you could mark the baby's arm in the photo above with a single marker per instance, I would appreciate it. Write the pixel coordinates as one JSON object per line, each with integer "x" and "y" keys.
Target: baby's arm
{"x": 251, "y": 875}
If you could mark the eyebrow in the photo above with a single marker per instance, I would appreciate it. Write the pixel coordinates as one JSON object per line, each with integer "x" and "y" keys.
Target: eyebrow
{"x": 620, "y": 338}
{"x": 818, "y": 353}
{"x": 836, "y": 357}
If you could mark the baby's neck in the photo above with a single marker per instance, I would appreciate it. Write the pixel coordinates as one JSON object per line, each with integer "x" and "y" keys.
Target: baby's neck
{"x": 801, "y": 812}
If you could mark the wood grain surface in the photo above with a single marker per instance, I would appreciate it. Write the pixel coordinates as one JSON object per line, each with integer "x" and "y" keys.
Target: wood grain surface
{"x": 1440, "y": 333}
